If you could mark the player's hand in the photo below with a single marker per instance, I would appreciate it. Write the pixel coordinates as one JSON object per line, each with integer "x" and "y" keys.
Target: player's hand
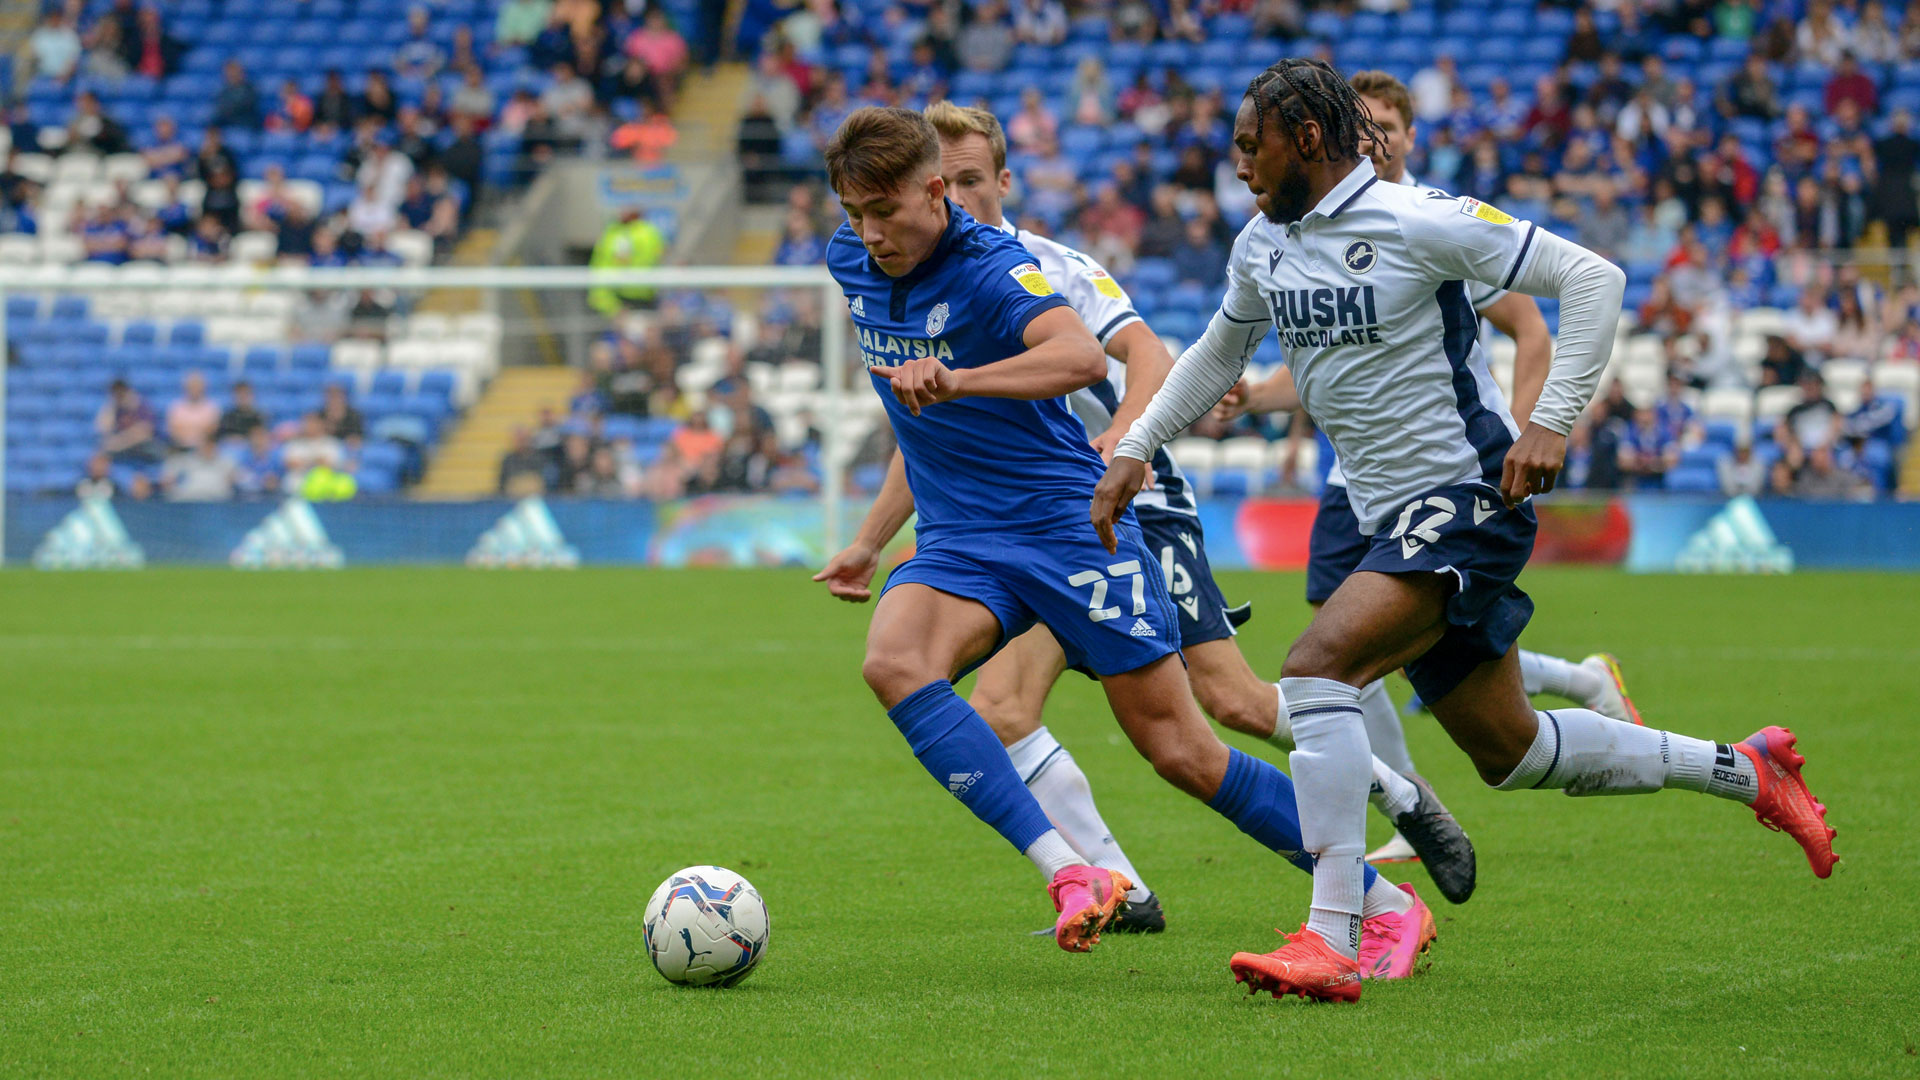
{"x": 1234, "y": 405}
{"x": 1533, "y": 465}
{"x": 920, "y": 383}
{"x": 1123, "y": 480}
{"x": 1106, "y": 441}
{"x": 849, "y": 573}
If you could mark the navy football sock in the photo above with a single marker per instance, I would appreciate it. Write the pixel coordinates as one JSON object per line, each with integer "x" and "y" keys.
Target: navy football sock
{"x": 964, "y": 754}
{"x": 1259, "y": 799}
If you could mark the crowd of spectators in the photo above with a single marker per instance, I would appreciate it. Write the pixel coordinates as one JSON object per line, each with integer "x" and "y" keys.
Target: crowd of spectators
{"x": 634, "y": 430}
{"x": 1715, "y": 196}
{"x": 404, "y": 141}
{"x": 198, "y": 449}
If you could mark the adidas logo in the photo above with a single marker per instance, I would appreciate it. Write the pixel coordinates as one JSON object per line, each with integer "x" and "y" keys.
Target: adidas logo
{"x": 960, "y": 782}
{"x": 1141, "y": 629}
{"x": 89, "y": 538}
{"x": 1737, "y": 540}
{"x": 290, "y": 538}
{"x": 526, "y": 536}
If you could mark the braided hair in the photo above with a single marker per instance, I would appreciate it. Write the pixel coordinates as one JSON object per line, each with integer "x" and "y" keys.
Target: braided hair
{"x": 1297, "y": 90}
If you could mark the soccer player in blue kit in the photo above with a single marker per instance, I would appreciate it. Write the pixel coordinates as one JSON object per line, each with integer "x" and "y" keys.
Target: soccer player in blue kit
{"x": 972, "y": 351}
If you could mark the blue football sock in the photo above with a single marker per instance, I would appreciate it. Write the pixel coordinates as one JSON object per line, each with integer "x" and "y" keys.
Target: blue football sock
{"x": 1259, "y": 799}
{"x": 964, "y": 754}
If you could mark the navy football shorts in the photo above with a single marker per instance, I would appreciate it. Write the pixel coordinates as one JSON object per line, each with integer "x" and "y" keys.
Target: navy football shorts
{"x": 1467, "y": 533}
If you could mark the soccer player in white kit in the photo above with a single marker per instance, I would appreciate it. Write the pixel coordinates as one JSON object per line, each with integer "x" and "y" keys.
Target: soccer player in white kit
{"x": 1366, "y": 283}
{"x": 1336, "y": 546}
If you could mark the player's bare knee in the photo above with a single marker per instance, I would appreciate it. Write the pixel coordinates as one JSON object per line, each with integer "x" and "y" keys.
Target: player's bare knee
{"x": 893, "y": 677}
{"x": 1004, "y": 712}
{"x": 1317, "y": 656}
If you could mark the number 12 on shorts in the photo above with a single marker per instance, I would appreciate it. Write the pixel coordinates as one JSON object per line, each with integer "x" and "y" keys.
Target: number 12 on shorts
{"x": 1095, "y": 578}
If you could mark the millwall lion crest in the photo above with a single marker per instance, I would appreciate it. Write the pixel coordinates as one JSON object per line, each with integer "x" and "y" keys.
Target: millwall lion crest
{"x": 937, "y": 319}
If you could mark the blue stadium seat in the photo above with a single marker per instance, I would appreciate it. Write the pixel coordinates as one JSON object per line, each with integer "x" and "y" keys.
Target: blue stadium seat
{"x": 438, "y": 384}
{"x": 186, "y": 333}
{"x": 260, "y": 359}
{"x": 68, "y": 309}
{"x": 388, "y": 383}
{"x": 1693, "y": 479}
{"x": 310, "y": 356}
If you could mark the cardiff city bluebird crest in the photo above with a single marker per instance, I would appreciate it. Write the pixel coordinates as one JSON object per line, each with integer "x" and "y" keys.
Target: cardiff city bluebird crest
{"x": 937, "y": 319}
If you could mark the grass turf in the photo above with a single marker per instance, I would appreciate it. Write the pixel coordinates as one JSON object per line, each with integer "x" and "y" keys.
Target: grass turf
{"x": 403, "y": 823}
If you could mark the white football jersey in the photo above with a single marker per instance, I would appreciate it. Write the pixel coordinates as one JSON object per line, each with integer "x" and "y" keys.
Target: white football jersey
{"x": 1106, "y": 309}
{"x": 1478, "y": 294}
{"x": 1368, "y": 293}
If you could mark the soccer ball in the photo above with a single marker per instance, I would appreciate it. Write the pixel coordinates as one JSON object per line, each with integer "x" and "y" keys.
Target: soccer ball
{"x": 706, "y": 926}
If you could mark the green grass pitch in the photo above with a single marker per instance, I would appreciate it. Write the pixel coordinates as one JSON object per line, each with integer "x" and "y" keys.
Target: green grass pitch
{"x": 402, "y": 823}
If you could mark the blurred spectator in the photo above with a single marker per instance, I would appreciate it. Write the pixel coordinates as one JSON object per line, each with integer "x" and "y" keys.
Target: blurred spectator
{"x": 126, "y": 428}
{"x": 1895, "y": 157}
{"x": 1782, "y": 364}
{"x": 370, "y": 216}
{"x": 1873, "y": 40}
{"x": 293, "y": 111}
{"x": 1646, "y": 453}
{"x": 1812, "y": 424}
{"x": 603, "y": 477}
{"x": 1200, "y": 260}
{"x": 333, "y": 109}
{"x": 166, "y": 154}
{"x": 1040, "y": 22}
{"x": 986, "y": 42}
{"x": 1433, "y": 88}
{"x": 523, "y": 469}
{"x": 1740, "y": 473}
{"x": 1034, "y": 126}
{"x": 241, "y": 417}
{"x": 98, "y": 481}
{"x": 1850, "y": 84}
{"x": 200, "y": 474}
{"x": 1822, "y": 37}
{"x": 54, "y": 47}
{"x": 338, "y": 416}
{"x": 419, "y": 56}
{"x": 91, "y": 130}
{"x": 696, "y": 443}
{"x": 1821, "y": 476}
{"x": 1750, "y": 92}
{"x": 658, "y": 45}
{"x": 648, "y": 138}
{"x": 237, "y": 104}
{"x": 193, "y": 417}
{"x": 376, "y": 100}
{"x": 520, "y": 21}
{"x": 260, "y": 464}
{"x": 800, "y": 245}
{"x": 149, "y": 50}
{"x": 312, "y": 448}
{"x": 629, "y": 242}
{"x": 1810, "y": 326}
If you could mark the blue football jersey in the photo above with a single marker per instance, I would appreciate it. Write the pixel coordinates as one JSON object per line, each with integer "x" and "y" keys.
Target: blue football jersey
{"x": 978, "y": 463}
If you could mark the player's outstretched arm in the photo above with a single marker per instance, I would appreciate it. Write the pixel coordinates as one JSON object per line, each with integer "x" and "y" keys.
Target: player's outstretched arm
{"x": 1202, "y": 375}
{"x": 1518, "y": 316}
{"x": 1275, "y": 393}
{"x": 850, "y": 573}
{"x": 1148, "y": 362}
{"x": 1061, "y": 357}
{"x": 1589, "y": 289}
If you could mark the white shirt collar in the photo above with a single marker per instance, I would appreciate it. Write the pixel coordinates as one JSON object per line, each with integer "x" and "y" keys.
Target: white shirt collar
{"x": 1344, "y": 192}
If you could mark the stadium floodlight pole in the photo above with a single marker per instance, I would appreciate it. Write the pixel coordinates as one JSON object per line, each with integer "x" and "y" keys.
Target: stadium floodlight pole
{"x": 833, "y": 339}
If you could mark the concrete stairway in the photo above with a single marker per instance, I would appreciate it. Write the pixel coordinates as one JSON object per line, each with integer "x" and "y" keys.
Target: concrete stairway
{"x": 468, "y": 464}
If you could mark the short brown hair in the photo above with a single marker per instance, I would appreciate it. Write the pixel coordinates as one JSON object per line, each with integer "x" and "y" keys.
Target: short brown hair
{"x": 1383, "y": 87}
{"x": 880, "y": 149}
{"x": 959, "y": 121}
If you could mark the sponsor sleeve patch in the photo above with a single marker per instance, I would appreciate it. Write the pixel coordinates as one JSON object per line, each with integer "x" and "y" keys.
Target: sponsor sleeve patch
{"x": 1031, "y": 279}
{"x": 1104, "y": 284}
{"x": 1476, "y": 208}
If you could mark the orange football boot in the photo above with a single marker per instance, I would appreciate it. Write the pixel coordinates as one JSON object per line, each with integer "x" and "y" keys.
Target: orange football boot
{"x": 1784, "y": 804}
{"x": 1086, "y": 898}
{"x": 1305, "y": 965}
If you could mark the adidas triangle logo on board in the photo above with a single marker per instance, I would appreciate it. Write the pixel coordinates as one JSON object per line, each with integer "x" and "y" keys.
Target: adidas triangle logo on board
{"x": 525, "y": 536}
{"x": 290, "y": 538}
{"x": 91, "y": 537}
{"x": 1737, "y": 540}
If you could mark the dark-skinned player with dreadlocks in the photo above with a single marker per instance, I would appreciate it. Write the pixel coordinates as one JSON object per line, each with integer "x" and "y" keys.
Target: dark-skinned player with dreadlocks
{"x": 1366, "y": 284}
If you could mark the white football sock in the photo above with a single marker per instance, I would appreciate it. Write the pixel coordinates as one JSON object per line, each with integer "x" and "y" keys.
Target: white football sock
{"x": 1052, "y": 854}
{"x": 1587, "y": 754}
{"x": 1392, "y": 794}
{"x": 1385, "y": 898}
{"x": 1543, "y": 674}
{"x": 1064, "y": 794}
{"x": 1282, "y": 736}
{"x": 1331, "y": 776}
{"x": 1384, "y": 733}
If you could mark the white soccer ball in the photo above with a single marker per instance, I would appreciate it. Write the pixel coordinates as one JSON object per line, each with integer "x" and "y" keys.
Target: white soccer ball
{"x": 706, "y": 926}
